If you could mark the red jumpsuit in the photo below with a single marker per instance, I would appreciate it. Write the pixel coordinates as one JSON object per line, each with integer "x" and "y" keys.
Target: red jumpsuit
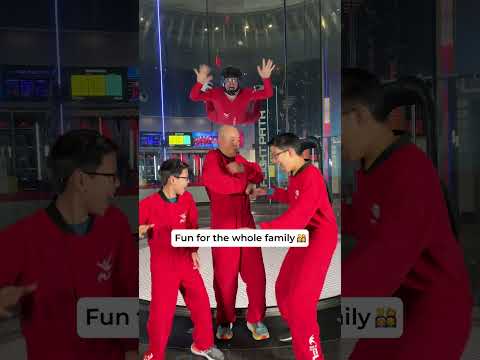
{"x": 172, "y": 269}
{"x": 245, "y": 109}
{"x": 230, "y": 209}
{"x": 66, "y": 267}
{"x": 406, "y": 248}
{"x": 302, "y": 275}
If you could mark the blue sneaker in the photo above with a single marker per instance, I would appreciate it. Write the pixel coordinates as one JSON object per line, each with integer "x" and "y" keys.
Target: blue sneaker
{"x": 259, "y": 330}
{"x": 224, "y": 332}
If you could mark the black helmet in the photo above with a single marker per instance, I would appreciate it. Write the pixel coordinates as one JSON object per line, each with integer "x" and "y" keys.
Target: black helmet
{"x": 231, "y": 72}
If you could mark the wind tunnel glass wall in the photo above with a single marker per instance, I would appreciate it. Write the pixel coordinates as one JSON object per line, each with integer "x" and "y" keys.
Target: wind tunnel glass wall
{"x": 301, "y": 37}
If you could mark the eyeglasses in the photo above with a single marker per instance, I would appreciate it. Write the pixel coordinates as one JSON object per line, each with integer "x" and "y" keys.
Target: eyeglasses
{"x": 275, "y": 156}
{"x": 183, "y": 177}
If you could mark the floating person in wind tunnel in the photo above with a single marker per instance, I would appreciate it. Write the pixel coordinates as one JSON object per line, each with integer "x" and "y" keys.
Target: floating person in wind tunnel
{"x": 174, "y": 268}
{"x": 405, "y": 246}
{"x": 229, "y": 178}
{"x": 79, "y": 246}
{"x": 231, "y": 104}
{"x": 302, "y": 275}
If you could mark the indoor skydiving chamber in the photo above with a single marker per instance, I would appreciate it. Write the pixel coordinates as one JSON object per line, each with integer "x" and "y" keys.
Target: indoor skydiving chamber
{"x": 303, "y": 40}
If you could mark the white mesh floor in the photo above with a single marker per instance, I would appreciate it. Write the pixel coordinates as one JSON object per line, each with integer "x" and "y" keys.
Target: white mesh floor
{"x": 272, "y": 258}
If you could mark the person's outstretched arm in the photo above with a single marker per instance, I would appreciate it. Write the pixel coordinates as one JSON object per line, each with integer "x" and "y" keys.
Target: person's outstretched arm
{"x": 280, "y": 195}
{"x": 203, "y": 77}
{"x": 265, "y": 72}
{"x": 313, "y": 195}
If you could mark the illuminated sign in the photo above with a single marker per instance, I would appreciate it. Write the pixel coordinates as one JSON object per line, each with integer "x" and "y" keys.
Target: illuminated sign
{"x": 151, "y": 139}
{"x": 106, "y": 84}
{"x": 262, "y": 145}
{"x": 179, "y": 139}
{"x": 205, "y": 139}
{"x": 26, "y": 83}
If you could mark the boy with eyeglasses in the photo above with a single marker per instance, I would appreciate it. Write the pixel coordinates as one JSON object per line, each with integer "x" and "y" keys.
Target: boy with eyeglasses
{"x": 303, "y": 271}
{"x": 79, "y": 246}
{"x": 173, "y": 269}
{"x": 399, "y": 208}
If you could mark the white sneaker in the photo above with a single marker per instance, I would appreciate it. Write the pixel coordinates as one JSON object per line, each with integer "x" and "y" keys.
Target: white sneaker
{"x": 287, "y": 337}
{"x": 211, "y": 354}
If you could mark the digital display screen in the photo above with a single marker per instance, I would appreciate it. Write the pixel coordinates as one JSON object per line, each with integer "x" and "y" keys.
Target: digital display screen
{"x": 207, "y": 140}
{"x": 108, "y": 84}
{"x": 26, "y": 83}
{"x": 151, "y": 139}
{"x": 180, "y": 139}
{"x": 96, "y": 85}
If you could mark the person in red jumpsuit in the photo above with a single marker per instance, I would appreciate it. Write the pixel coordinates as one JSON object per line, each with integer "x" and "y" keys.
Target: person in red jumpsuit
{"x": 229, "y": 179}
{"x": 303, "y": 271}
{"x": 173, "y": 269}
{"x": 405, "y": 246}
{"x": 79, "y": 246}
{"x": 231, "y": 104}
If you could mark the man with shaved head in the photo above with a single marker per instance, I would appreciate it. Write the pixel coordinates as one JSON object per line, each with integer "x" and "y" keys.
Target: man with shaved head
{"x": 229, "y": 178}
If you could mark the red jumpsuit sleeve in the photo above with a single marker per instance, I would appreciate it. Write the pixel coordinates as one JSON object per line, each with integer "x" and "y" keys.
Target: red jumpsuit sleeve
{"x": 313, "y": 195}
{"x": 264, "y": 93}
{"x": 280, "y": 195}
{"x": 196, "y": 93}
{"x": 143, "y": 212}
{"x": 377, "y": 266}
{"x": 12, "y": 255}
{"x": 217, "y": 179}
{"x": 125, "y": 274}
{"x": 192, "y": 218}
{"x": 253, "y": 170}
{"x": 254, "y": 173}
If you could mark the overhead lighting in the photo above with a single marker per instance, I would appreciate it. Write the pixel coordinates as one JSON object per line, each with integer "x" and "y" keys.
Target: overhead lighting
{"x": 247, "y": 27}
{"x": 324, "y": 25}
{"x": 240, "y": 42}
{"x": 270, "y": 26}
{"x": 205, "y": 29}
{"x": 217, "y": 28}
{"x": 142, "y": 19}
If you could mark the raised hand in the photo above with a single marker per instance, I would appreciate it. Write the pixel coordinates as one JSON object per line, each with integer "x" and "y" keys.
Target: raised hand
{"x": 203, "y": 74}
{"x": 266, "y": 70}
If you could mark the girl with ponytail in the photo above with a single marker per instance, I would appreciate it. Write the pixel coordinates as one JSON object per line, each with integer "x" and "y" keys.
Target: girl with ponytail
{"x": 405, "y": 245}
